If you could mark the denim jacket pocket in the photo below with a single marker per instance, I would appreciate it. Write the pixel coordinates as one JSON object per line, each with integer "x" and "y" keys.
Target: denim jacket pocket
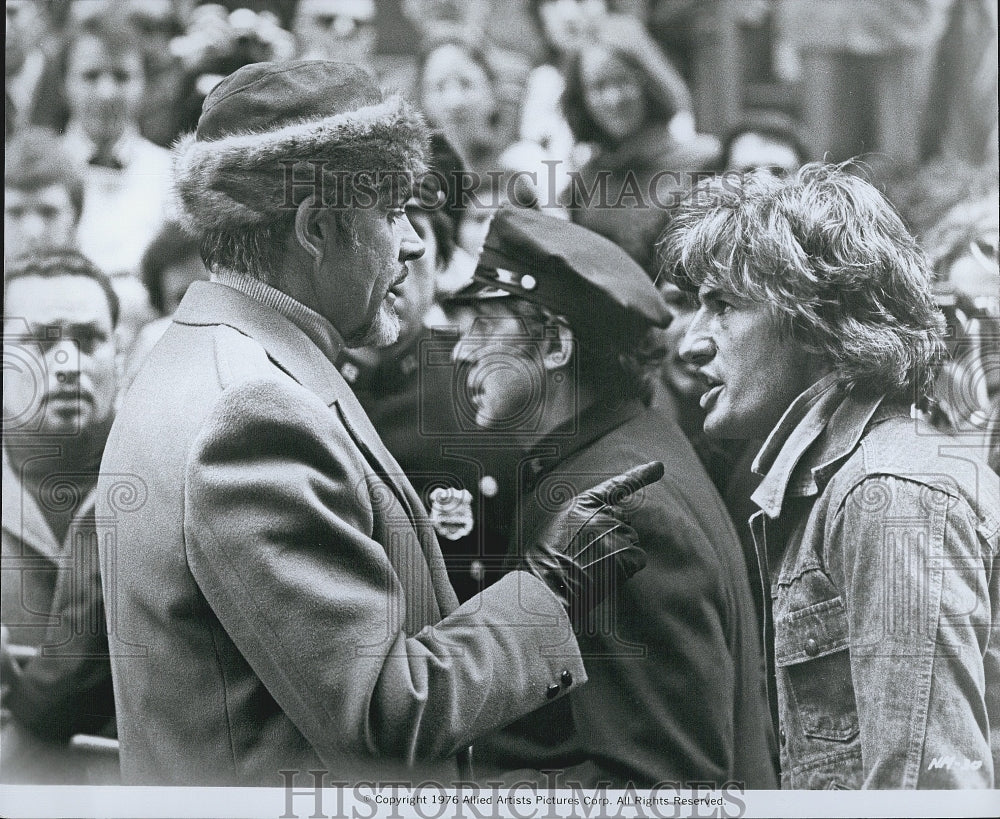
{"x": 811, "y": 651}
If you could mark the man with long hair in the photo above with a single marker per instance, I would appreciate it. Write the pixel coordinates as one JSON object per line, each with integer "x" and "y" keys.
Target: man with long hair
{"x": 876, "y": 535}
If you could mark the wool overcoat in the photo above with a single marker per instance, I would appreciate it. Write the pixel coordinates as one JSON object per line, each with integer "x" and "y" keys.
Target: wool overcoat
{"x": 277, "y": 600}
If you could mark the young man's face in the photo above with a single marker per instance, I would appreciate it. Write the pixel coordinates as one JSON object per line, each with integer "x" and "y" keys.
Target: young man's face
{"x": 752, "y": 371}
{"x": 39, "y": 219}
{"x": 358, "y": 286}
{"x": 60, "y": 341}
{"x": 501, "y": 366}
{"x": 104, "y": 90}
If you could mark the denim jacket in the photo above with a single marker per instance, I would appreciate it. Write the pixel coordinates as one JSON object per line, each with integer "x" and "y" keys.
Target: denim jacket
{"x": 880, "y": 538}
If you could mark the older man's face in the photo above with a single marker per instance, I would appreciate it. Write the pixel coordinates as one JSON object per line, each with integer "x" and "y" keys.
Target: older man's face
{"x": 358, "y": 285}
{"x": 751, "y": 371}
{"x": 416, "y": 294}
{"x": 59, "y": 373}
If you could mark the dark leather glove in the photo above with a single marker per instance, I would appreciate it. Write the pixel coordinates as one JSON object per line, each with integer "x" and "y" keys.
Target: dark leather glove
{"x": 587, "y": 549}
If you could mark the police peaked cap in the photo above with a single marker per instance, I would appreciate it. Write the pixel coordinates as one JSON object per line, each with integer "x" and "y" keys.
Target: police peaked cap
{"x": 569, "y": 270}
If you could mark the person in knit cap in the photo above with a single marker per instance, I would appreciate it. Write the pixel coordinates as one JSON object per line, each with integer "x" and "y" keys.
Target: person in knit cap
{"x": 278, "y": 603}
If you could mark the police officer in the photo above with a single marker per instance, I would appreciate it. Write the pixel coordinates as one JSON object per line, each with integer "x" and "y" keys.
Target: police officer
{"x": 557, "y": 353}
{"x": 405, "y": 389}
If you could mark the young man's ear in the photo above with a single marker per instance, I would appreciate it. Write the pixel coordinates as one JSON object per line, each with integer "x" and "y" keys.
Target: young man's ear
{"x": 560, "y": 349}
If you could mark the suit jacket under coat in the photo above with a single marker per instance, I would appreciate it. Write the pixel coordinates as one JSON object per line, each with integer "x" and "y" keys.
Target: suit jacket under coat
{"x": 277, "y": 599}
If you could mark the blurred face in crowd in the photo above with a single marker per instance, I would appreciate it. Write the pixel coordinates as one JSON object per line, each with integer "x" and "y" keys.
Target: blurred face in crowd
{"x": 567, "y": 23}
{"x": 135, "y": 310}
{"x": 104, "y": 90}
{"x": 155, "y": 24}
{"x": 25, "y": 23}
{"x": 458, "y": 95}
{"x": 613, "y": 92}
{"x": 681, "y": 375}
{"x": 501, "y": 368}
{"x": 341, "y": 30}
{"x": 59, "y": 376}
{"x": 357, "y": 284}
{"x": 438, "y": 20}
{"x": 976, "y": 274}
{"x": 751, "y": 150}
{"x": 751, "y": 371}
{"x": 38, "y": 219}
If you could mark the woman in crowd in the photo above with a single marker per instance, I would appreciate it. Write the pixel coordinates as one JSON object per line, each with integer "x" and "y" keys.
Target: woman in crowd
{"x": 459, "y": 94}
{"x": 563, "y": 25}
{"x": 632, "y": 106}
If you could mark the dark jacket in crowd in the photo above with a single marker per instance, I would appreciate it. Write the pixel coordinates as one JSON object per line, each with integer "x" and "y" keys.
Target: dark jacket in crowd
{"x": 412, "y": 403}
{"x": 52, "y": 598}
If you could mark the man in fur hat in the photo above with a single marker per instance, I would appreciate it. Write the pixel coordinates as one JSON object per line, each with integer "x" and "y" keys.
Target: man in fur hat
{"x": 277, "y": 599}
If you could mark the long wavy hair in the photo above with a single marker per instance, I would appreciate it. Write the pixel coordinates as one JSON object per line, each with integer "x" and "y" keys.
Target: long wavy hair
{"x": 577, "y": 112}
{"x": 830, "y": 256}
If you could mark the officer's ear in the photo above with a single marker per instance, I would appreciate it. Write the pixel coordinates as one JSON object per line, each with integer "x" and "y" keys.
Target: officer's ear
{"x": 559, "y": 349}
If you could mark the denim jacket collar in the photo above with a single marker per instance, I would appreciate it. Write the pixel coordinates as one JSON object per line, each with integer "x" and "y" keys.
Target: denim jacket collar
{"x": 820, "y": 428}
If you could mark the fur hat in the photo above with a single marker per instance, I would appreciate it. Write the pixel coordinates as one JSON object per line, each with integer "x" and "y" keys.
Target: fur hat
{"x": 267, "y": 128}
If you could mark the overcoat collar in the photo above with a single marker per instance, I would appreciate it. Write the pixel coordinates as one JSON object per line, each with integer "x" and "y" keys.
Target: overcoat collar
{"x": 288, "y": 345}
{"x": 296, "y": 353}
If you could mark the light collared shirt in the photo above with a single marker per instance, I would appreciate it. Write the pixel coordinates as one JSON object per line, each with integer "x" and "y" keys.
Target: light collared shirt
{"x": 123, "y": 207}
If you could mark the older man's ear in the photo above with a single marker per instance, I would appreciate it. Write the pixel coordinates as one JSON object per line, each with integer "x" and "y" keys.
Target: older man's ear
{"x": 310, "y": 228}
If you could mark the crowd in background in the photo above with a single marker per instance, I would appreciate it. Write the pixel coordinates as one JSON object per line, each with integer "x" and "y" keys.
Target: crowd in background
{"x": 611, "y": 93}
{"x": 541, "y": 102}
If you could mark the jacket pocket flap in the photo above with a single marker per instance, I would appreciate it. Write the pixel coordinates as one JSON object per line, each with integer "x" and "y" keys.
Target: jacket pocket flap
{"x": 811, "y": 632}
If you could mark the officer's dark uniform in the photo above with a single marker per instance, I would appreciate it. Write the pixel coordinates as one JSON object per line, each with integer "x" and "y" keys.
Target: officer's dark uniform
{"x": 676, "y": 690}
{"x": 409, "y": 400}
